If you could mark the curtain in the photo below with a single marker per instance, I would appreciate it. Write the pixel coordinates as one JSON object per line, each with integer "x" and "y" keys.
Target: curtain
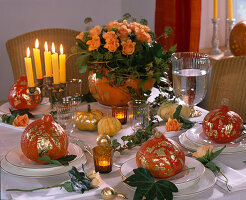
{"x": 184, "y": 17}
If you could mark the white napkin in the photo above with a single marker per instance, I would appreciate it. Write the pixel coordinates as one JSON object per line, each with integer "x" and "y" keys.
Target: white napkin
{"x": 57, "y": 193}
{"x": 12, "y": 126}
{"x": 236, "y": 180}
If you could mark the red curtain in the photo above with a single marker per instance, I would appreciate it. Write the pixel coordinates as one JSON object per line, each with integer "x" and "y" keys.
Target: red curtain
{"x": 184, "y": 17}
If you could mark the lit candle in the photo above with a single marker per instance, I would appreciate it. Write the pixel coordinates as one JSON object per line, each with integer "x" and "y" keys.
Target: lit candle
{"x": 55, "y": 66}
{"x": 47, "y": 60}
{"x": 215, "y": 9}
{"x": 62, "y": 62}
{"x": 37, "y": 60}
{"x": 120, "y": 112}
{"x": 29, "y": 72}
{"x": 104, "y": 163}
{"x": 230, "y": 9}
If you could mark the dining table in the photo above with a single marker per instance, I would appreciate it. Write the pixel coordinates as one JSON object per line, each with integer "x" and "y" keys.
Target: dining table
{"x": 10, "y": 137}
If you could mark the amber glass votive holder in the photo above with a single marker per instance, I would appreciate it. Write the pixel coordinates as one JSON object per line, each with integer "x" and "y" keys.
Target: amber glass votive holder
{"x": 120, "y": 113}
{"x": 103, "y": 158}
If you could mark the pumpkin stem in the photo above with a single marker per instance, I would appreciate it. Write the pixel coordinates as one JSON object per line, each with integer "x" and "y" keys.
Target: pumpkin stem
{"x": 89, "y": 108}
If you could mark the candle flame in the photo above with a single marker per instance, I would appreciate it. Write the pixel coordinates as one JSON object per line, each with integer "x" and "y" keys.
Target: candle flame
{"x": 61, "y": 49}
{"x": 53, "y": 48}
{"x": 36, "y": 44}
{"x": 46, "y": 46}
{"x": 28, "y": 52}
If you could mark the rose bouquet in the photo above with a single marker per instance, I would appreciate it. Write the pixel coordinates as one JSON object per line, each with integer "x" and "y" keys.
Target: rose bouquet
{"x": 121, "y": 50}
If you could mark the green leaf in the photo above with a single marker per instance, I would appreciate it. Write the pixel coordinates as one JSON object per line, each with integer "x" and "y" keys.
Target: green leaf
{"x": 176, "y": 114}
{"x": 126, "y": 16}
{"x": 82, "y": 61}
{"x": 87, "y": 20}
{"x": 216, "y": 153}
{"x": 21, "y": 112}
{"x": 148, "y": 188}
{"x": 115, "y": 143}
{"x": 66, "y": 159}
{"x": 210, "y": 165}
{"x": 173, "y": 48}
{"x": 144, "y": 22}
{"x": 68, "y": 186}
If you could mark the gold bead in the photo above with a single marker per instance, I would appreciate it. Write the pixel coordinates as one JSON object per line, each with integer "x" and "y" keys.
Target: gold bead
{"x": 104, "y": 140}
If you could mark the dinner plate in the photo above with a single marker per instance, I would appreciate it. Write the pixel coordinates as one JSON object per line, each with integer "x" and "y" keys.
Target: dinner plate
{"x": 197, "y": 136}
{"x": 182, "y": 180}
{"x": 15, "y": 163}
{"x": 204, "y": 183}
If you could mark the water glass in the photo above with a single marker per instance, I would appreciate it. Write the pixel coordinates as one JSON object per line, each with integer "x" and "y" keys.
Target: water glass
{"x": 138, "y": 114}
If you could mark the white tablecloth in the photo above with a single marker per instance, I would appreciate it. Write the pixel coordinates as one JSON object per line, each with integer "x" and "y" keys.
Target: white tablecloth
{"x": 10, "y": 138}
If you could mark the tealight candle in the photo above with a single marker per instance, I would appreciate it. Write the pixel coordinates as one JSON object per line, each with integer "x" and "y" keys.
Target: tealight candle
{"x": 120, "y": 112}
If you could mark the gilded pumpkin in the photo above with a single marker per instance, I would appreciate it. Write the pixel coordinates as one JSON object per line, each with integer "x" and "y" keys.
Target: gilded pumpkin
{"x": 44, "y": 137}
{"x": 161, "y": 156}
{"x": 87, "y": 120}
{"x": 168, "y": 108}
{"x": 108, "y": 126}
{"x": 237, "y": 39}
{"x": 112, "y": 95}
{"x": 222, "y": 125}
{"x": 18, "y": 97}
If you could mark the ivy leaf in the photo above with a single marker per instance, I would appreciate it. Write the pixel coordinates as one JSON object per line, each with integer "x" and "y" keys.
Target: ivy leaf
{"x": 146, "y": 186}
{"x": 21, "y": 112}
{"x": 144, "y": 22}
{"x": 173, "y": 48}
{"x": 68, "y": 186}
{"x": 59, "y": 162}
{"x": 115, "y": 143}
{"x": 186, "y": 124}
{"x": 176, "y": 114}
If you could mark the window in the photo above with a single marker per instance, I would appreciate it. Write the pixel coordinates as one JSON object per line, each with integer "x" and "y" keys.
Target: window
{"x": 240, "y": 10}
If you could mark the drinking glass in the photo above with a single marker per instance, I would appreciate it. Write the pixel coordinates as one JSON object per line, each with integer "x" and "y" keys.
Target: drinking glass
{"x": 138, "y": 114}
{"x": 190, "y": 78}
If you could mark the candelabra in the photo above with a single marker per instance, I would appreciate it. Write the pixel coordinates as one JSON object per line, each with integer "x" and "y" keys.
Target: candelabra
{"x": 45, "y": 87}
{"x": 230, "y": 23}
{"x": 215, "y": 39}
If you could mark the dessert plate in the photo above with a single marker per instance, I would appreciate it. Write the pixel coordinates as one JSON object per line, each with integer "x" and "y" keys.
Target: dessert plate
{"x": 17, "y": 164}
{"x": 182, "y": 180}
{"x": 197, "y": 136}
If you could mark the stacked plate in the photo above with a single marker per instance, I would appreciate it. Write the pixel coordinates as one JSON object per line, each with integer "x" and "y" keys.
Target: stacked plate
{"x": 188, "y": 182}
{"x": 195, "y": 137}
{"x": 16, "y": 163}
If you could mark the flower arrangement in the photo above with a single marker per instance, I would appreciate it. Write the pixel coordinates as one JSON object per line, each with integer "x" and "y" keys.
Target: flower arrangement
{"x": 125, "y": 48}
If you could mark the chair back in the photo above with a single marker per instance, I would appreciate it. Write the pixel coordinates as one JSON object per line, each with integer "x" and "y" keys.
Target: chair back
{"x": 228, "y": 85}
{"x": 17, "y": 46}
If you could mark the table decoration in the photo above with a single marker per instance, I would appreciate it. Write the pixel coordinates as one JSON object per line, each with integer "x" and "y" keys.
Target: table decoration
{"x": 120, "y": 113}
{"x": 15, "y": 120}
{"x": 88, "y": 119}
{"x": 123, "y": 58}
{"x": 109, "y": 193}
{"x": 44, "y": 137}
{"x": 173, "y": 125}
{"x": 108, "y": 126}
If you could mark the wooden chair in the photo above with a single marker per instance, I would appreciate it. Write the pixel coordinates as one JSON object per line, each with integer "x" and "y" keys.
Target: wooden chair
{"x": 17, "y": 46}
{"x": 228, "y": 84}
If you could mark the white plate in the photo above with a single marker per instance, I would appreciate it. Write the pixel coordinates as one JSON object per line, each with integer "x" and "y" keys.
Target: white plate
{"x": 197, "y": 136}
{"x": 204, "y": 183}
{"x": 169, "y": 134}
{"x": 182, "y": 180}
{"x": 15, "y": 163}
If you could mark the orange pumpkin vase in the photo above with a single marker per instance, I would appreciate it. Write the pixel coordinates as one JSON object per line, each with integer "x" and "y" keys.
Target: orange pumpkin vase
{"x": 112, "y": 95}
{"x": 161, "y": 156}
{"x": 44, "y": 137}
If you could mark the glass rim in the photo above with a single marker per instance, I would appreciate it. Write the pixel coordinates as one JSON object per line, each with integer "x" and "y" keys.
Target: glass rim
{"x": 200, "y": 55}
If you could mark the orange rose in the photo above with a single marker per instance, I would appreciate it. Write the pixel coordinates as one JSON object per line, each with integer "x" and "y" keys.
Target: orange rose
{"x": 142, "y": 35}
{"x": 173, "y": 125}
{"x": 202, "y": 150}
{"x": 94, "y": 43}
{"x": 128, "y": 47}
{"x": 112, "y": 45}
{"x": 133, "y": 26}
{"x": 110, "y": 36}
{"x": 21, "y": 120}
{"x": 80, "y": 36}
{"x": 145, "y": 28}
{"x": 113, "y": 24}
{"x": 96, "y": 30}
{"x": 124, "y": 31}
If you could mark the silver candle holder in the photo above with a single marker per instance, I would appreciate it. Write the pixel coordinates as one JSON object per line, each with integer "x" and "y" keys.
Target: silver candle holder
{"x": 230, "y": 23}
{"x": 215, "y": 39}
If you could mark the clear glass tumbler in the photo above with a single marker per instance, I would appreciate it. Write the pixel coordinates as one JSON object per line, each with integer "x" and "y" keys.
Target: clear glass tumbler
{"x": 138, "y": 114}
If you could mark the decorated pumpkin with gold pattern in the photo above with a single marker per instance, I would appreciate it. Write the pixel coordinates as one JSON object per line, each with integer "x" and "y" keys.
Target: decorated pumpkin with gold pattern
{"x": 44, "y": 137}
{"x": 161, "y": 156}
{"x": 108, "y": 126}
{"x": 222, "y": 125}
{"x": 18, "y": 97}
{"x": 88, "y": 120}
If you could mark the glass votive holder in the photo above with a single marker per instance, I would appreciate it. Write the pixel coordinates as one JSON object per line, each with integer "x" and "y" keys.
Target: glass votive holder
{"x": 138, "y": 114}
{"x": 103, "y": 158}
{"x": 120, "y": 113}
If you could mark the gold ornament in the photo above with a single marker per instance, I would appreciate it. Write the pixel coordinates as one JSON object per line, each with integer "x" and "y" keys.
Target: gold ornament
{"x": 104, "y": 140}
{"x": 109, "y": 193}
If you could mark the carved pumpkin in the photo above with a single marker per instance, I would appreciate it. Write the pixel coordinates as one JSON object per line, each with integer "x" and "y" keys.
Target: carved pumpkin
{"x": 44, "y": 137}
{"x": 18, "y": 97}
{"x": 161, "y": 156}
{"x": 168, "y": 108}
{"x": 88, "y": 120}
{"x": 114, "y": 95}
{"x": 222, "y": 125}
{"x": 237, "y": 39}
{"x": 108, "y": 126}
